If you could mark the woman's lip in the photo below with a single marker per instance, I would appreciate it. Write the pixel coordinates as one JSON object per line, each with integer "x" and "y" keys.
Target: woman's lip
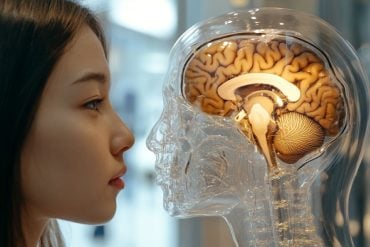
{"x": 117, "y": 183}
{"x": 120, "y": 173}
{"x": 116, "y": 180}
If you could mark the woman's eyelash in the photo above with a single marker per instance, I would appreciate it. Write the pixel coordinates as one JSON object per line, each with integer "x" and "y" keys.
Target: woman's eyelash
{"x": 94, "y": 104}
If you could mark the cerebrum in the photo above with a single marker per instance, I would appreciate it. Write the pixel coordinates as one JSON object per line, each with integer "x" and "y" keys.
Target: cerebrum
{"x": 281, "y": 94}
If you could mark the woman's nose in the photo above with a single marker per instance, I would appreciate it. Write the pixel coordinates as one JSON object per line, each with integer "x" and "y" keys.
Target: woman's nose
{"x": 123, "y": 138}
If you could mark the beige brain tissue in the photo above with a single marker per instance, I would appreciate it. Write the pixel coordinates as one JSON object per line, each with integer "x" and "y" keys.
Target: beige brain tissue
{"x": 280, "y": 94}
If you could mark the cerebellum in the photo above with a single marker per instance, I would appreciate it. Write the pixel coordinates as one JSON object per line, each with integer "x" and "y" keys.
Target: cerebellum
{"x": 296, "y": 136}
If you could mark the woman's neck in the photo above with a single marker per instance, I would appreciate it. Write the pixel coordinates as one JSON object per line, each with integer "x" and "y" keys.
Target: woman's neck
{"x": 33, "y": 226}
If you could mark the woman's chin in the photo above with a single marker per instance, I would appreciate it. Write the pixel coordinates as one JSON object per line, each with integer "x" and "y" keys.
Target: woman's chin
{"x": 96, "y": 217}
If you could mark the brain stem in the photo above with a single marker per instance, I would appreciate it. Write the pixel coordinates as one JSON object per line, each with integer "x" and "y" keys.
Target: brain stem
{"x": 260, "y": 120}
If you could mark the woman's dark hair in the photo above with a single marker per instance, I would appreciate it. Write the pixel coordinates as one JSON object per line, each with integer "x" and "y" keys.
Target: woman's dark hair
{"x": 33, "y": 36}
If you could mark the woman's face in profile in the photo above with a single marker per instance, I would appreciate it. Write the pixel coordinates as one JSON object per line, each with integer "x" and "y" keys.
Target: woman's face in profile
{"x": 72, "y": 157}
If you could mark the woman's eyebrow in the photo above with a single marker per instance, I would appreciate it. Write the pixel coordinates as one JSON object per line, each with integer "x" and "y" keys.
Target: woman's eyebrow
{"x": 92, "y": 76}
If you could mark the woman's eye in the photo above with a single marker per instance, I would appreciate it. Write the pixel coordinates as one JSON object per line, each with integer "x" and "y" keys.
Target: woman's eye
{"x": 94, "y": 104}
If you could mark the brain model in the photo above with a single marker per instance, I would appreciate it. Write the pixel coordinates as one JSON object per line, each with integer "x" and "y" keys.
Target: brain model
{"x": 281, "y": 95}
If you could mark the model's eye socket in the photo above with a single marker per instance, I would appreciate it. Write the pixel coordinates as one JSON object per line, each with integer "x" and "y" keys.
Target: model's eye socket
{"x": 94, "y": 104}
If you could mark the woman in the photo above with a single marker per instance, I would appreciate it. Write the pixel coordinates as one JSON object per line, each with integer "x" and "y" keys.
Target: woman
{"x": 61, "y": 142}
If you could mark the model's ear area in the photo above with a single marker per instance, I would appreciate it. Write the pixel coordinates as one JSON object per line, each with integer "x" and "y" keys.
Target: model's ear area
{"x": 281, "y": 95}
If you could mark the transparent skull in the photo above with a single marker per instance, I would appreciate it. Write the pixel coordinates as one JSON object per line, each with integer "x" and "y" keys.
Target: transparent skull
{"x": 264, "y": 124}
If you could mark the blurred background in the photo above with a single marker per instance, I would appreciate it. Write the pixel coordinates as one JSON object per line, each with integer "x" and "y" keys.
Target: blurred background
{"x": 140, "y": 35}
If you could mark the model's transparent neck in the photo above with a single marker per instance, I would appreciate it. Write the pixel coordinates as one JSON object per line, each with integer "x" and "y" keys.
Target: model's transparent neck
{"x": 278, "y": 214}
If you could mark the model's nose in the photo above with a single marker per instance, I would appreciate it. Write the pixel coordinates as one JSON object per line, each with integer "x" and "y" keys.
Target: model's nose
{"x": 155, "y": 139}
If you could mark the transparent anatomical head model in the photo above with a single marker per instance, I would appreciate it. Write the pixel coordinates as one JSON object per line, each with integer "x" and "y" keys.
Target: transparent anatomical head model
{"x": 264, "y": 124}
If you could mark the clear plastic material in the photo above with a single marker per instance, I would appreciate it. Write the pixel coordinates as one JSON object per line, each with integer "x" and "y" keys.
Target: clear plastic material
{"x": 264, "y": 124}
